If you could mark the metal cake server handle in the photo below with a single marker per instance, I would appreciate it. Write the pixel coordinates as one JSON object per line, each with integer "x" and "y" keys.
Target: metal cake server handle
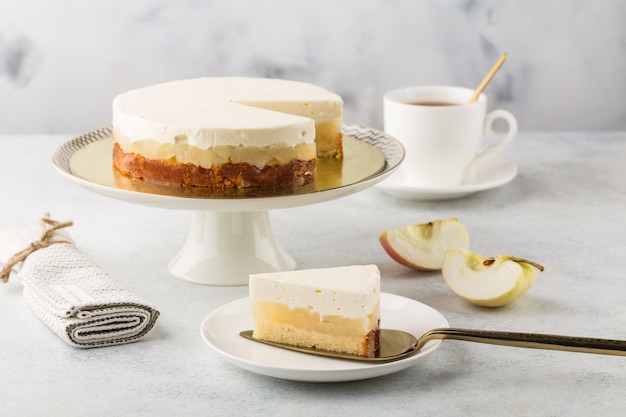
{"x": 397, "y": 344}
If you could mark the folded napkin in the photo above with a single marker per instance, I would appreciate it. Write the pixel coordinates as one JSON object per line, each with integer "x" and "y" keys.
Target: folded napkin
{"x": 78, "y": 300}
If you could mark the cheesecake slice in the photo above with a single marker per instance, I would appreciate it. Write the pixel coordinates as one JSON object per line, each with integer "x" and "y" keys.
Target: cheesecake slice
{"x": 335, "y": 309}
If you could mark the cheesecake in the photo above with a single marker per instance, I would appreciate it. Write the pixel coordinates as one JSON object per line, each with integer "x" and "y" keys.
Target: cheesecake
{"x": 226, "y": 132}
{"x": 335, "y": 309}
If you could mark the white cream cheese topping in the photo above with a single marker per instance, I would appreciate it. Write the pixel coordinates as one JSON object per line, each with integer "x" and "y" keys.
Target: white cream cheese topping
{"x": 347, "y": 291}
{"x": 233, "y": 111}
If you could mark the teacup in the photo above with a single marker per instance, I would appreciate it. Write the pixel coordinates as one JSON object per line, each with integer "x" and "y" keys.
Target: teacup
{"x": 442, "y": 133}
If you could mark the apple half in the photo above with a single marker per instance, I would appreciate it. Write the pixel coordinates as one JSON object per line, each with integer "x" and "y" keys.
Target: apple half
{"x": 490, "y": 282}
{"x": 423, "y": 246}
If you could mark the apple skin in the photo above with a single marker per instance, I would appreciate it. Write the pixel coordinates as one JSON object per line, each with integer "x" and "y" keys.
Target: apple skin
{"x": 489, "y": 282}
{"x": 423, "y": 246}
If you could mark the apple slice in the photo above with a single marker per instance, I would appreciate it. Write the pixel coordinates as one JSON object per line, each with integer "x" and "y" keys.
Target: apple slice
{"x": 490, "y": 282}
{"x": 422, "y": 246}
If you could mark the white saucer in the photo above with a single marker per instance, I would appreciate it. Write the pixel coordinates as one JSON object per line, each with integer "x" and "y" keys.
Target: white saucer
{"x": 493, "y": 171}
{"x": 220, "y": 330}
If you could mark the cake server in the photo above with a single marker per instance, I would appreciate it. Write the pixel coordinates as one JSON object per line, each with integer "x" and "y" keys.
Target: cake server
{"x": 397, "y": 344}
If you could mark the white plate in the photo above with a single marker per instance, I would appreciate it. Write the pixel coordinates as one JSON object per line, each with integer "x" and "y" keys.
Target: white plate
{"x": 493, "y": 171}
{"x": 220, "y": 330}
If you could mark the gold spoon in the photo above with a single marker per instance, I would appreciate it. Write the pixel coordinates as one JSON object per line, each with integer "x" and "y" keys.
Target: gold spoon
{"x": 397, "y": 344}
{"x": 488, "y": 78}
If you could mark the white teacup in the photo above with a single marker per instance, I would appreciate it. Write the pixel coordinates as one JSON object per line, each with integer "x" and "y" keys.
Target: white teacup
{"x": 441, "y": 133}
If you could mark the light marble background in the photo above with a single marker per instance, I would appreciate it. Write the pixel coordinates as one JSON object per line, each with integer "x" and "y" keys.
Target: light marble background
{"x": 63, "y": 61}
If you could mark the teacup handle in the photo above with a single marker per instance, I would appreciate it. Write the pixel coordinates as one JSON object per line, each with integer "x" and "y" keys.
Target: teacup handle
{"x": 490, "y": 118}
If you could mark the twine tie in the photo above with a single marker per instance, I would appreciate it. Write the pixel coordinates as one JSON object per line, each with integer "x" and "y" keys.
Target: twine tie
{"x": 49, "y": 228}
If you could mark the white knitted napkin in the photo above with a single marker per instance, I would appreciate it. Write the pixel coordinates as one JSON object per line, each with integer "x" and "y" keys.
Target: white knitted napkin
{"x": 78, "y": 300}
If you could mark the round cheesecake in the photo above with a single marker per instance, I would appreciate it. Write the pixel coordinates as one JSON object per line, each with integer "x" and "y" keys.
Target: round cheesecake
{"x": 226, "y": 132}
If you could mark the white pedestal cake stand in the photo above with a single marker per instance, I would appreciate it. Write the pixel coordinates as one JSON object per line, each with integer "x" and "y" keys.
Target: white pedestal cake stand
{"x": 231, "y": 235}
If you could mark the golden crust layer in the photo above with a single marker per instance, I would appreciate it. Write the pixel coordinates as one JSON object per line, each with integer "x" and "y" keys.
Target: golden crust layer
{"x": 228, "y": 175}
{"x": 365, "y": 346}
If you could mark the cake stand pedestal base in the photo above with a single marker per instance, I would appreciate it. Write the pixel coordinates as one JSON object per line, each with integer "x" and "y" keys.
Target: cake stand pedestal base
{"x": 224, "y": 248}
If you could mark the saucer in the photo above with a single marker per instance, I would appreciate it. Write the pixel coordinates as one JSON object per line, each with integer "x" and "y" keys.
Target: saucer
{"x": 220, "y": 330}
{"x": 493, "y": 171}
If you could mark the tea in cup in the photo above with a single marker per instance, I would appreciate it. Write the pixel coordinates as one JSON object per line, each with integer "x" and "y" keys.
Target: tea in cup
{"x": 442, "y": 133}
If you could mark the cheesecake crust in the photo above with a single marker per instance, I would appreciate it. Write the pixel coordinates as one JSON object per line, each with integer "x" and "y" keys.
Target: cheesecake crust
{"x": 223, "y": 176}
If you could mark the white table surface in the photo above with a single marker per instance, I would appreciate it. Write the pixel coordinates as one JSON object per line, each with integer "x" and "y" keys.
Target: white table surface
{"x": 566, "y": 210}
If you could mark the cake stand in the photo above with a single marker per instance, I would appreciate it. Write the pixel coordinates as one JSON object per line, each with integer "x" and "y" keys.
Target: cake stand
{"x": 231, "y": 235}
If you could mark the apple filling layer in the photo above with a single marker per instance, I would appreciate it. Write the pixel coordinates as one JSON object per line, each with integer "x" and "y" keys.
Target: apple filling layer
{"x": 183, "y": 153}
{"x": 303, "y": 327}
{"x": 328, "y": 138}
